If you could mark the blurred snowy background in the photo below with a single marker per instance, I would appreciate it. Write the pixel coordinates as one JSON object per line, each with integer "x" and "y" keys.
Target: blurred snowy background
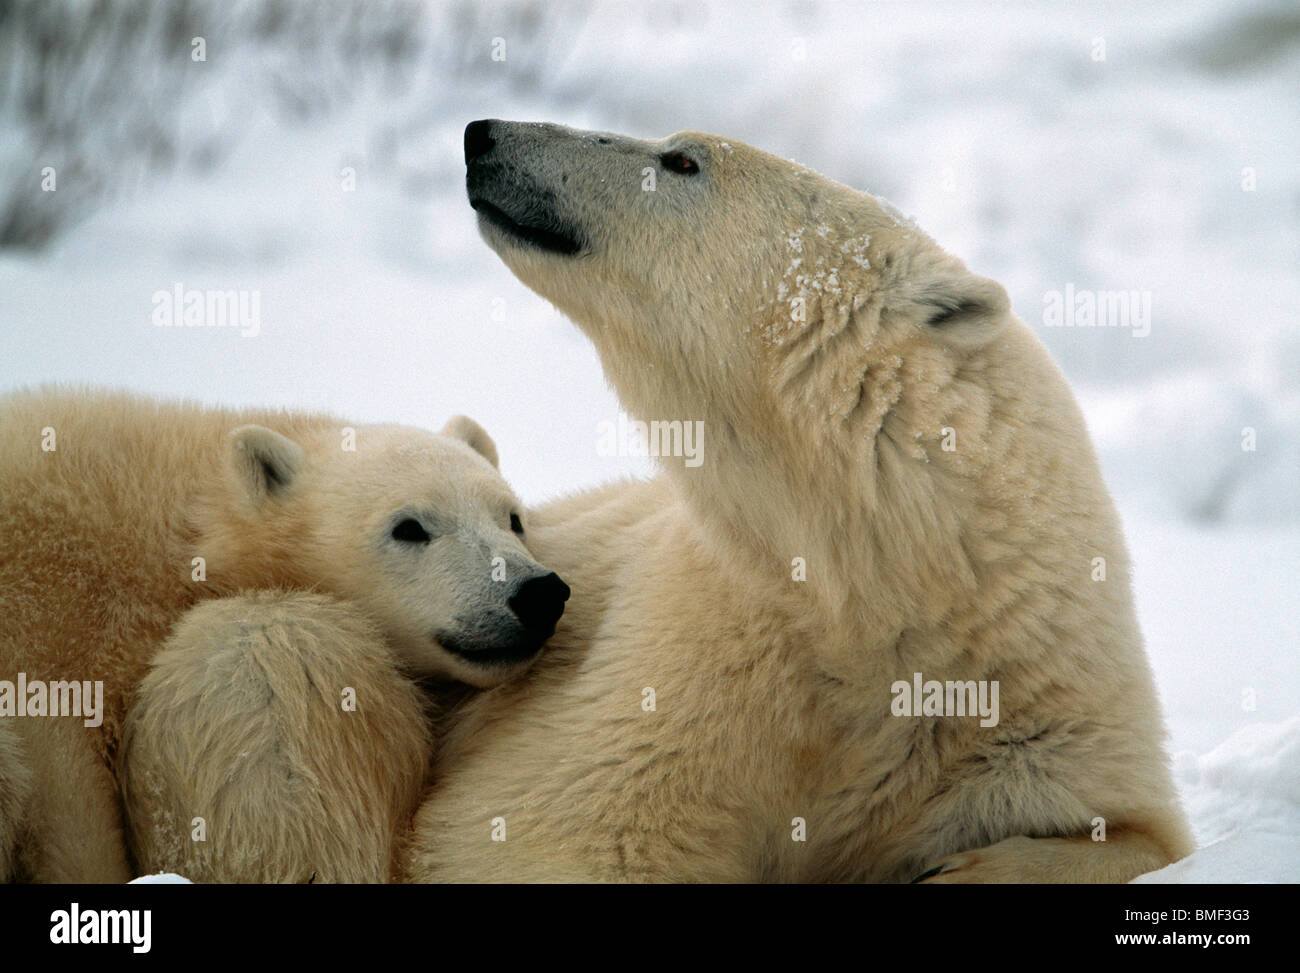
{"x": 313, "y": 155}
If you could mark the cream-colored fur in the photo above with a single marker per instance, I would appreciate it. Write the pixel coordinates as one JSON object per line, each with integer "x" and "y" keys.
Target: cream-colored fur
{"x": 240, "y": 737}
{"x": 15, "y": 791}
{"x": 831, "y": 350}
{"x": 106, "y": 502}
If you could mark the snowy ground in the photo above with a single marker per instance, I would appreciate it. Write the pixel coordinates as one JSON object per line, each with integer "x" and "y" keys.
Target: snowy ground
{"x": 1145, "y": 147}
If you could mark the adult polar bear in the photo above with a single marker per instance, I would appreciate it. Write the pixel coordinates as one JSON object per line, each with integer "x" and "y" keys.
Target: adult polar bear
{"x": 872, "y": 408}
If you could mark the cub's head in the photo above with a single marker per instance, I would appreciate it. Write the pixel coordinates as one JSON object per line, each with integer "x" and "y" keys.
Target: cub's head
{"x": 416, "y": 528}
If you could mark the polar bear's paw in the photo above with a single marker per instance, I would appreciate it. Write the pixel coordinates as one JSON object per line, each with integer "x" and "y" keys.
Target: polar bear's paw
{"x": 1013, "y": 860}
{"x": 1125, "y": 854}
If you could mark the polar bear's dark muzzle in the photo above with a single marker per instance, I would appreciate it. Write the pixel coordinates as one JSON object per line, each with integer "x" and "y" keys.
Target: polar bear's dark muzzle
{"x": 545, "y": 234}
{"x": 478, "y": 139}
{"x": 508, "y": 200}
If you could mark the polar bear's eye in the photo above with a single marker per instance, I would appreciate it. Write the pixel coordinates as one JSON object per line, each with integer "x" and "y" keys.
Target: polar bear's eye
{"x": 680, "y": 163}
{"x": 411, "y": 532}
{"x": 516, "y": 524}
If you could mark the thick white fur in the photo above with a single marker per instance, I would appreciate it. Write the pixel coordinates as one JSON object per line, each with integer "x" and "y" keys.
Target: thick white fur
{"x": 241, "y": 738}
{"x": 831, "y": 349}
{"x": 15, "y": 791}
{"x": 824, "y": 424}
{"x": 98, "y": 540}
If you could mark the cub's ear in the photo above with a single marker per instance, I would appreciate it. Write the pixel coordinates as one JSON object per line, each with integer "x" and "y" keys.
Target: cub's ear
{"x": 265, "y": 462}
{"x": 475, "y": 436}
{"x": 956, "y": 306}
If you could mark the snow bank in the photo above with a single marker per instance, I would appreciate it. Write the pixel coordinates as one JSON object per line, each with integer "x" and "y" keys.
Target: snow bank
{"x": 1244, "y": 798}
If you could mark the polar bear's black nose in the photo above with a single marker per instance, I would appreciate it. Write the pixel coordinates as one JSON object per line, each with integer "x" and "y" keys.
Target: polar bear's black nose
{"x": 539, "y": 603}
{"x": 478, "y": 139}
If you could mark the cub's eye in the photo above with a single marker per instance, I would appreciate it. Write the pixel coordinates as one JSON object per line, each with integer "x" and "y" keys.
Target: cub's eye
{"x": 411, "y": 532}
{"x": 680, "y": 163}
{"x": 516, "y": 524}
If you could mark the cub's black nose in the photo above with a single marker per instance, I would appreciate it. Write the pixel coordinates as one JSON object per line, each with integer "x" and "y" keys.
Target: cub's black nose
{"x": 539, "y": 603}
{"x": 478, "y": 139}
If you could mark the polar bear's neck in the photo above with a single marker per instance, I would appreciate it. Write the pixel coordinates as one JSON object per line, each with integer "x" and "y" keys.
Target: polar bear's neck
{"x": 812, "y": 470}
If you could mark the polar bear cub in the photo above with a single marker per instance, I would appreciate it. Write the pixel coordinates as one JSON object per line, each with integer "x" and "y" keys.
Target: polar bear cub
{"x": 259, "y": 539}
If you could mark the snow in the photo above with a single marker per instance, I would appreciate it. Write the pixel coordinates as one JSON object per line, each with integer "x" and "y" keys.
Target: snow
{"x": 1243, "y": 796}
{"x": 162, "y": 878}
{"x": 1145, "y": 148}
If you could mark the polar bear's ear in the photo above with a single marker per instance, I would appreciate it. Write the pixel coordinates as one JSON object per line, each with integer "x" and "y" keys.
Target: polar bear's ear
{"x": 265, "y": 462}
{"x": 475, "y": 436}
{"x": 956, "y": 306}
